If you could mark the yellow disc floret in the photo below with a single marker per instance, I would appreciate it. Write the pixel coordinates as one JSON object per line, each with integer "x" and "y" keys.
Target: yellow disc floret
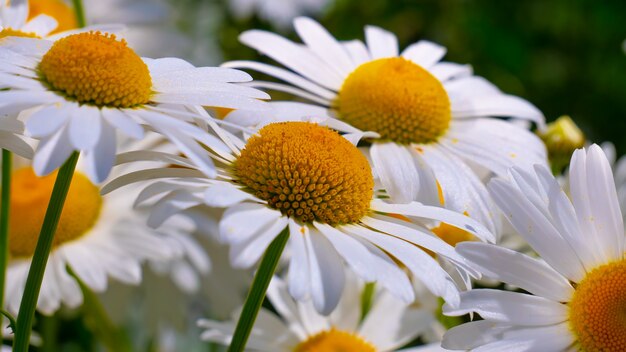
{"x": 57, "y": 9}
{"x": 97, "y": 69}
{"x": 308, "y": 172}
{"x": 396, "y": 98}
{"x": 335, "y": 341}
{"x": 8, "y": 32}
{"x": 598, "y": 309}
{"x": 30, "y": 195}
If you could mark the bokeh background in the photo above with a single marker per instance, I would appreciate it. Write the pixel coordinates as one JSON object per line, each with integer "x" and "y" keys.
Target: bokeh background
{"x": 566, "y": 56}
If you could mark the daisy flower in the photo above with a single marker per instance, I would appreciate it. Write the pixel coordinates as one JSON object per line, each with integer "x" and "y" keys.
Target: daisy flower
{"x": 76, "y": 93}
{"x": 575, "y": 296}
{"x": 307, "y": 179}
{"x": 296, "y": 326}
{"x": 97, "y": 237}
{"x": 430, "y": 116}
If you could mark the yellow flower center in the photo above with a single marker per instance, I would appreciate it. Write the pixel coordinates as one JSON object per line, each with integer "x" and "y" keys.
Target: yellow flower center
{"x": 598, "y": 309}
{"x": 308, "y": 172}
{"x": 335, "y": 341}
{"x": 29, "y": 200}
{"x": 396, "y": 98}
{"x": 57, "y": 9}
{"x": 97, "y": 69}
{"x": 8, "y": 32}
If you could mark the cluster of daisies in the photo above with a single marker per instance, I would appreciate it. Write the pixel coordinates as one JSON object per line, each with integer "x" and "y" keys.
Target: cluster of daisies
{"x": 395, "y": 202}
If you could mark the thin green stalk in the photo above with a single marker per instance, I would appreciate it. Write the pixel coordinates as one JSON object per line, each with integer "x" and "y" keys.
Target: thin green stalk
{"x": 98, "y": 321}
{"x": 5, "y": 201}
{"x": 257, "y": 292}
{"x": 42, "y": 252}
{"x": 79, "y": 11}
{"x": 367, "y": 298}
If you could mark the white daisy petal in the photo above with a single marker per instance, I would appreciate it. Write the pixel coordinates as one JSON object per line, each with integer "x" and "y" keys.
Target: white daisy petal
{"x": 15, "y": 144}
{"x": 497, "y": 105}
{"x": 40, "y": 24}
{"x": 327, "y": 276}
{"x": 390, "y": 325}
{"x": 435, "y": 213}
{"x": 246, "y": 254}
{"x": 473, "y": 334}
{"x": 284, "y": 75}
{"x": 445, "y": 71}
{"x": 102, "y": 157}
{"x": 52, "y": 152}
{"x": 517, "y": 269}
{"x": 293, "y": 56}
{"x": 510, "y": 307}
{"x": 85, "y": 128}
{"x": 298, "y": 276}
{"x": 357, "y": 51}
{"x": 356, "y": 255}
{"x": 394, "y": 165}
{"x": 536, "y": 229}
{"x": 508, "y": 145}
{"x": 381, "y": 43}
{"x": 244, "y": 220}
{"x": 123, "y": 122}
{"x": 462, "y": 191}
{"x": 224, "y": 195}
{"x": 424, "y": 53}
{"x": 47, "y": 120}
{"x": 605, "y": 213}
{"x": 323, "y": 45}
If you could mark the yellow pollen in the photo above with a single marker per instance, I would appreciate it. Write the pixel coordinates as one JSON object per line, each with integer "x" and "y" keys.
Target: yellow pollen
{"x": 598, "y": 309}
{"x": 57, "y": 9}
{"x": 97, "y": 69}
{"x": 307, "y": 172}
{"x": 8, "y": 32}
{"x": 29, "y": 200}
{"x": 335, "y": 341}
{"x": 396, "y": 98}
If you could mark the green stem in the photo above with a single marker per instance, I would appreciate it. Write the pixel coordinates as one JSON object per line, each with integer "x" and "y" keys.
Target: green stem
{"x": 79, "y": 11}
{"x": 42, "y": 252}
{"x": 257, "y": 292}
{"x": 5, "y": 201}
{"x": 49, "y": 329}
{"x": 98, "y": 321}
{"x": 367, "y": 298}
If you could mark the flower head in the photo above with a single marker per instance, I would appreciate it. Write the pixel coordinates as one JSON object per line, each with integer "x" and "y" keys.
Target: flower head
{"x": 431, "y": 125}
{"x": 306, "y": 179}
{"x": 75, "y": 94}
{"x": 575, "y": 294}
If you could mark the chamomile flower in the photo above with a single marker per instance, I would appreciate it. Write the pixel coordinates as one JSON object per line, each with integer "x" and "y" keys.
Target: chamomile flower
{"x": 575, "y": 298}
{"x": 390, "y": 324}
{"x": 97, "y": 237}
{"x": 430, "y": 116}
{"x": 307, "y": 179}
{"x": 76, "y": 93}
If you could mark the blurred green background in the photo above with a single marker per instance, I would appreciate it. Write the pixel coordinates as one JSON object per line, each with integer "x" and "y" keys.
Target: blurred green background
{"x": 565, "y": 56}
